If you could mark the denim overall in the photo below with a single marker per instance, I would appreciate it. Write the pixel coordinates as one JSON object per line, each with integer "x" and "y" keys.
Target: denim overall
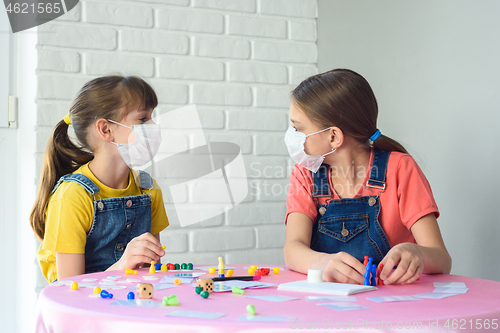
{"x": 351, "y": 225}
{"x": 116, "y": 221}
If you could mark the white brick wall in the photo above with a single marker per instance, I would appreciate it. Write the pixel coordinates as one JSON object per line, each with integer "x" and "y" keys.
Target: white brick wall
{"x": 237, "y": 60}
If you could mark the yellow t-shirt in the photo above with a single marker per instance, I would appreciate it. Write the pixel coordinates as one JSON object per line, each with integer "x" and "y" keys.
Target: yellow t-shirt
{"x": 70, "y": 212}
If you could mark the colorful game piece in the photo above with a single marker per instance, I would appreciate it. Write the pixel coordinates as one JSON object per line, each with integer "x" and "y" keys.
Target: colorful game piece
{"x": 129, "y": 271}
{"x": 163, "y": 268}
{"x": 105, "y": 294}
{"x": 368, "y": 271}
{"x": 163, "y": 247}
{"x": 276, "y": 270}
{"x": 380, "y": 268}
{"x": 204, "y": 294}
{"x": 177, "y": 267}
{"x": 206, "y": 284}
{"x": 366, "y": 261}
{"x": 251, "y": 271}
{"x": 152, "y": 268}
{"x": 97, "y": 290}
{"x": 251, "y": 309}
{"x": 145, "y": 290}
{"x": 253, "y": 267}
{"x": 177, "y": 281}
{"x": 184, "y": 266}
{"x": 373, "y": 281}
{"x": 237, "y": 290}
{"x": 190, "y": 266}
{"x": 221, "y": 267}
{"x": 170, "y": 266}
{"x": 74, "y": 286}
{"x": 211, "y": 270}
{"x": 170, "y": 300}
{"x": 230, "y": 273}
{"x": 198, "y": 289}
{"x": 130, "y": 295}
{"x": 158, "y": 267}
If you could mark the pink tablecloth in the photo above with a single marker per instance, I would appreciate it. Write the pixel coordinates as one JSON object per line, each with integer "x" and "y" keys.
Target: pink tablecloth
{"x": 61, "y": 309}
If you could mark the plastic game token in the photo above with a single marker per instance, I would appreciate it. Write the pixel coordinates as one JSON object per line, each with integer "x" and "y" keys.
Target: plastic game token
{"x": 150, "y": 278}
{"x": 114, "y": 277}
{"x": 108, "y": 283}
{"x": 57, "y": 284}
{"x": 95, "y": 295}
{"x": 133, "y": 280}
{"x": 117, "y": 287}
{"x": 86, "y": 285}
{"x": 89, "y": 280}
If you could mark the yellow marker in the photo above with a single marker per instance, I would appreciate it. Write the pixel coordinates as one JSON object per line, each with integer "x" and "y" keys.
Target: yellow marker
{"x": 152, "y": 268}
{"x": 74, "y": 286}
{"x": 97, "y": 290}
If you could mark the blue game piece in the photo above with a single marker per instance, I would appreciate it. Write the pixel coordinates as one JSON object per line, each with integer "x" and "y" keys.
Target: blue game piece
{"x": 130, "y": 295}
{"x": 368, "y": 270}
{"x": 105, "y": 294}
{"x": 374, "y": 274}
{"x": 158, "y": 267}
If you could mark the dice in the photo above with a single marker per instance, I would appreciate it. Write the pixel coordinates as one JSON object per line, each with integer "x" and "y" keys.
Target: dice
{"x": 145, "y": 290}
{"x": 206, "y": 285}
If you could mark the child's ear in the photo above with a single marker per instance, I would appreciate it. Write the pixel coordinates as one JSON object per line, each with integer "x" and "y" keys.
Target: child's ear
{"x": 336, "y": 137}
{"x": 104, "y": 130}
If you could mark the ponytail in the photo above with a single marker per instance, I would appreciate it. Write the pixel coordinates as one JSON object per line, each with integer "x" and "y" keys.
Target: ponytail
{"x": 62, "y": 156}
{"x": 386, "y": 143}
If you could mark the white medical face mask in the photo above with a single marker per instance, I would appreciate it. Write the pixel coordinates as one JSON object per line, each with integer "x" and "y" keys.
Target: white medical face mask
{"x": 144, "y": 148}
{"x": 295, "y": 143}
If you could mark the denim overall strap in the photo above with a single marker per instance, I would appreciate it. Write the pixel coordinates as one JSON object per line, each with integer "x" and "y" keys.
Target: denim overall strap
{"x": 80, "y": 179}
{"x": 145, "y": 180}
{"x": 351, "y": 224}
{"x": 321, "y": 185}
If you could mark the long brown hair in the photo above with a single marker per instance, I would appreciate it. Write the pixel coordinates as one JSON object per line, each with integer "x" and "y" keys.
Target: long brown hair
{"x": 109, "y": 97}
{"x": 343, "y": 98}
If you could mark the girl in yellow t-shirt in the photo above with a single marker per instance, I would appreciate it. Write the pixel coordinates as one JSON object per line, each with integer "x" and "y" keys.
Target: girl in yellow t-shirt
{"x": 93, "y": 212}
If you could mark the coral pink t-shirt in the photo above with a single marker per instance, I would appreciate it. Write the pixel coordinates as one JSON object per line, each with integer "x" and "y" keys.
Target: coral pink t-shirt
{"x": 407, "y": 196}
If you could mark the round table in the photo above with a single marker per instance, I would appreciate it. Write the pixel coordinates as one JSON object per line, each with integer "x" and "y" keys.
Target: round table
{"x": 61, "y": 309}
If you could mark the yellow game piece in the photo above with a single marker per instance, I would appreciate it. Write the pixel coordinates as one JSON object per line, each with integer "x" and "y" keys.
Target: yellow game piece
{"x": 177, "y": 281}
{"x": 251, "y": 271}
{"x": 152, "y": 268}
{"x": 230, "y": 273}
{"x": 211, "y": 270}
{"x": 74, "y": 286}
{"x": 163, "y": 247}
{"x": 276, "y": 270}
{"x": 253, "y": 267}
{"x": 221, "y": 267}
{"x": 129, "y": 271}
{"x": 97, "y": 290}
{"x": 164, "y": 268}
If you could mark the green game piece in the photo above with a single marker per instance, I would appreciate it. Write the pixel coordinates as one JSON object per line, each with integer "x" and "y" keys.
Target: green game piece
{"x": 198, "y": 289}
{"x": 184, "y": 266}
{"x": 237, "y": 290}
{"x": 204, "y": 294}
{"x": 190, "y": 266}
{"x": 251, "y": 309}
{"x": 177, "y": 267}
{"x": 170, "y": 300}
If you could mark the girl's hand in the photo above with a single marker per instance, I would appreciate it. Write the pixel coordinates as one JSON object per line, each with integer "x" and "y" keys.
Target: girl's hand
{"x": 142, "y": 249}
{"x": 409, "y": 261}
{"x": 343, "y": 268}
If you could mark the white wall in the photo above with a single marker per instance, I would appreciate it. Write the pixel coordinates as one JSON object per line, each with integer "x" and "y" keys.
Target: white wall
{"x": 237, "y": 60}
{"x": 434, "y": 67}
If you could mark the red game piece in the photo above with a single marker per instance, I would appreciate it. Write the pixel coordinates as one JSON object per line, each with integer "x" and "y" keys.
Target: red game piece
{"x": 366, "y": 261}
{"x": 380, "y": 267}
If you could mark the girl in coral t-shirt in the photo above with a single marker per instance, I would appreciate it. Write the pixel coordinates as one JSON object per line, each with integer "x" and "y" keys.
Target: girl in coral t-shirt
{"x": 355, "y": 192}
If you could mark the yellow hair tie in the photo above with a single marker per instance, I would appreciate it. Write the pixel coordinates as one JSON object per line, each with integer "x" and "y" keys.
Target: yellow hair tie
{"x": 67, "y": 119}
